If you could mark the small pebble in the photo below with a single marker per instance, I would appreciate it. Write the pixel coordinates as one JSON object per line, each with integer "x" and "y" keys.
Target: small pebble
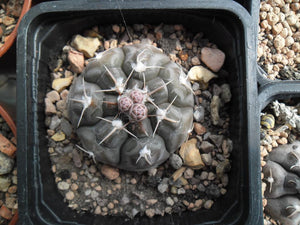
{"x": 208, "y": 204}
{"x": 70, "y": 195}
{"x": 175, "y": 161}
{"x": 109, "y": 172}
{"x": 169, "y": 201}
{"x": 199, "y": 129}
{"x": 188, "y": 173}
{"x": 162, "y": 188}
{"x": 213, "y": 58}
{"x": 63, "y": 186}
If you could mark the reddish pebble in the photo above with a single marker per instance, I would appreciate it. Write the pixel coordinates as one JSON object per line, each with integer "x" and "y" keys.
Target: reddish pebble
{"x": 199, "y": 129}
{"x": 109, "y": 172}
{"x": 6, "y": 146}
{"x": 213, "y": 58}
{"x": 5, "y": 212}
{"x": 76, "y": 60}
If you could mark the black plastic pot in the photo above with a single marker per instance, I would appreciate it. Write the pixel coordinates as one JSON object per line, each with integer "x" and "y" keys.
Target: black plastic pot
{"x": 43, "y": 33}
{"x": 275, "y": 90}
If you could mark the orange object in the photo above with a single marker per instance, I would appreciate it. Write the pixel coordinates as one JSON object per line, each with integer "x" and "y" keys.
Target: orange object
{"x": 11, "y": 38}
{"x": 14, "y": 220}
{"x": 5, "y": 212}
{"x": 8, "y": 120}
{"x": 13, "y": 128}
{"x": 7, "y": 147}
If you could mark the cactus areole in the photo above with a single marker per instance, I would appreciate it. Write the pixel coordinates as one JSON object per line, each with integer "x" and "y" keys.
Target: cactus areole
{"x": 130, "y": 108}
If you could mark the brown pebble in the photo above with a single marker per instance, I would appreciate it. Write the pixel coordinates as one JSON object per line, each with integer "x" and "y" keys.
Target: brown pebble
{"x": 178, "y": 173}
{"x": 12, "y": 189}
{"x": 49, "y": 107}
{"x": 282, "y": 141}
{"x": 74, "y": 176}
{"x": 274, "y": 144}
{"x": 70, "y": 195}
{"x": 185, "y": 202}
{"x": 6, "y": 146}
{"x": 151, "y": 201}
{"x": 98, "y": 188}
{"x": 109, "y": 172}
{"x": 5, "y": 212}
{"x": 7, "y": 21}
{"x": 198, "y": 203}
{"x": 97, "y": 210}
{"x": 74, "y": 187}
{"x": 283, "y": 134}
{"x": 76, "y": 61}
{"x": 183, "y": 56}
{"x": 110, "y": 205}
{"x": 213, "y": 58}
{"x": 133, "y": 181}
{"x": 269, "y": 148}
{"x": 150, "y": 212}
{"x": 64, "y": 94}
{"x": 199, "y": 129}
{"x": 191, "y": 206}
{"x": 53, "y": 96}
{"x": 208, "y": 204}
{"x": 109, "y": 191}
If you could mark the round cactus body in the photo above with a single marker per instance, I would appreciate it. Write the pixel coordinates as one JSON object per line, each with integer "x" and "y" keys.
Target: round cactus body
{"x": 131, "y": 107}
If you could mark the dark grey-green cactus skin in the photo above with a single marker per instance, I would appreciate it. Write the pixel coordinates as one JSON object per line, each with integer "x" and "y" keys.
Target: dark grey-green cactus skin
{"x": 131, "y": 107}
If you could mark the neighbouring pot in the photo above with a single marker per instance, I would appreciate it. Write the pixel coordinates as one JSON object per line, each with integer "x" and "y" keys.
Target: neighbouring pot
{"x": 11, "y": 38}
{"x": 45, "y": 30}
{"x": 5, "y": 115}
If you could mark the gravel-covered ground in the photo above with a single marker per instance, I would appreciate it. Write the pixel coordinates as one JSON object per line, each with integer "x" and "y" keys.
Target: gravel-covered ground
{"x": 171, "y": 188}
{"x": 278, "y": 51}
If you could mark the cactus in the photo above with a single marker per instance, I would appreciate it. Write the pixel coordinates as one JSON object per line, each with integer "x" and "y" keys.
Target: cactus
{"x": 131, "y": 107}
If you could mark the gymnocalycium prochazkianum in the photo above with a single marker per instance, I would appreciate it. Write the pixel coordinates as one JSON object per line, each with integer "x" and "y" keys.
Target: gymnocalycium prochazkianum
{"x": 131, "y": 107}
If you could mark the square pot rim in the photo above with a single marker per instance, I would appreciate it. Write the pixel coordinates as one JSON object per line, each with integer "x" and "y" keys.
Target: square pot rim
{"x": 230, "y": 6}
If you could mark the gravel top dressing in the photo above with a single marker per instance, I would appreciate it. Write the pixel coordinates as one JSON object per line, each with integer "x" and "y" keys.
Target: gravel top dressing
{"x": 188, "y": 176}
{"x": 278, "y": 51}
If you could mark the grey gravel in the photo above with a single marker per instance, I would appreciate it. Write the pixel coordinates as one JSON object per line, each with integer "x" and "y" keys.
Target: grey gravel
{"x": 162, "y": 188}
{"x": 55, "y": 122}
{"x": 66, "y": 127}
{"x": 5, "y": 182}
{"x": 169, "y": 201}
{"x": 6, "y": 164}
{"x": 199, "y": 113}
{"x": 63, "y": 185}
{"x": 175, "y": 161}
